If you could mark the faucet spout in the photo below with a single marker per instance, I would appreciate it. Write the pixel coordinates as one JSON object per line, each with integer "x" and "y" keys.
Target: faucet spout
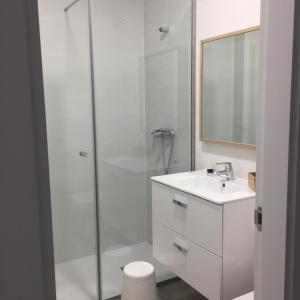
{"x": 227, "y": 172}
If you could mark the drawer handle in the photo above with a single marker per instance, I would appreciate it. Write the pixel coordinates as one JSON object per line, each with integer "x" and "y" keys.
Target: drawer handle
{"x": 180, "y": 248}
{"x": 179, "y": 203}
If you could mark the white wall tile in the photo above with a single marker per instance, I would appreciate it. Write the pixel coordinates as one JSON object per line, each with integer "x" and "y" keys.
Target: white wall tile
{"x": 119, "y": 51}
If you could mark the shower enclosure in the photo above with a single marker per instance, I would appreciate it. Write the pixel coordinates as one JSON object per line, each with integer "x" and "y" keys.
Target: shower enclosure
{"x": 118, "y": 93}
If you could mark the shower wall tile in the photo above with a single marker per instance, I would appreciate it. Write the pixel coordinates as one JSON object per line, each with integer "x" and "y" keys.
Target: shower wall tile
{"x": 175, "y": 13}
{"x": 120, "y": 114}
{"x": 167, "y": 86}
{"x": 120, "y": 128}
{"x": 123, "y": 207}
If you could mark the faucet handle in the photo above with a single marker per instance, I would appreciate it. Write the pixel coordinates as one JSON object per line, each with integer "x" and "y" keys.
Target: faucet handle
{"x": 227, "y": 169}
{"x": 227, "y": 165}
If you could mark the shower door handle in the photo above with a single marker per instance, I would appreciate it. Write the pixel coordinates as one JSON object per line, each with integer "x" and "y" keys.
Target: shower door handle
{"x": 83, "y": 154}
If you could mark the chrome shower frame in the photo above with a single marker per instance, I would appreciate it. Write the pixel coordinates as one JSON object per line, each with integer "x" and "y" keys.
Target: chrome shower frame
{"x": 193, "y": 87}
{"x": 95, "y": 147}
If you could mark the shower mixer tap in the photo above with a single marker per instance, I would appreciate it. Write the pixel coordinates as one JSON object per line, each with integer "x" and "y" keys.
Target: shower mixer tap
{"x": 163, "y": 132}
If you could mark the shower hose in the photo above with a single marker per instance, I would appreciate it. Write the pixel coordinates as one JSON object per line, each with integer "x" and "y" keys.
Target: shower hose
{"x": 167, "y": 165}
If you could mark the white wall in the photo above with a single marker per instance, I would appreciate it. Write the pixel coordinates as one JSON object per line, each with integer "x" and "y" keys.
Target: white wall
{"x": 215, "y": 17}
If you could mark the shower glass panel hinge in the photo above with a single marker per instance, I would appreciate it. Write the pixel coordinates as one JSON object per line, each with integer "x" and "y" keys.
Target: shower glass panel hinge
{"x": 258, "y": 218}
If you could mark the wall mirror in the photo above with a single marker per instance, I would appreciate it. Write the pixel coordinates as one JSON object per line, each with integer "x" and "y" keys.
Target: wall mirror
{"x": 229, "y": 87}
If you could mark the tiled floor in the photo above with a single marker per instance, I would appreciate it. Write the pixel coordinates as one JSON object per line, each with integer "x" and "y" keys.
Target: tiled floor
{"x": 175, "y": 289}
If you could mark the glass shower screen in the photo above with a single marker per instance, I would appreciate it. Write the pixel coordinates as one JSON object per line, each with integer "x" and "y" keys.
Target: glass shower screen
{"x": 68, "y": 97}
{"x": 142, "y": 62}
{"x": 117, "y": 79}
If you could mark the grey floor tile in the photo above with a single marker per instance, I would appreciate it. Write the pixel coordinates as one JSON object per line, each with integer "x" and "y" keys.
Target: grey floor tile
{"x": 175, "y": 290}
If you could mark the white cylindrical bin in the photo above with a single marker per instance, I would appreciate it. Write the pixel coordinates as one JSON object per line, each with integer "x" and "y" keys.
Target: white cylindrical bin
{"x": 249, "y": 296}
{"x": 139, "y": 282}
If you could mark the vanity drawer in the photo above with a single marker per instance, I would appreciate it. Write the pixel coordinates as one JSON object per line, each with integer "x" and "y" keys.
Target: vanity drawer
{"x": 197, "y": 266}
{"x": 194, "y": 218}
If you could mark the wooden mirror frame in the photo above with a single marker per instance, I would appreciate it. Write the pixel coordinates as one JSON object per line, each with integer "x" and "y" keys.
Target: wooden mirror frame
{"x": 218, "y": 37}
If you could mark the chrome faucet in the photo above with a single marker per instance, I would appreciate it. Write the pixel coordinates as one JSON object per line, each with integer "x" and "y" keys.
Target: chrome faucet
{"x": 227, "y": 172}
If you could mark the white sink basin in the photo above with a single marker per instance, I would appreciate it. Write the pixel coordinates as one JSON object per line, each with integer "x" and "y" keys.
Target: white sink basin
{"x": 207, "y": 186}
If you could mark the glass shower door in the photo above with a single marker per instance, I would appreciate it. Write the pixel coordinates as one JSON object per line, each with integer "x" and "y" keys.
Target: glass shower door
{"x": 67, "y": 85}
{"x": 143, "y": 84}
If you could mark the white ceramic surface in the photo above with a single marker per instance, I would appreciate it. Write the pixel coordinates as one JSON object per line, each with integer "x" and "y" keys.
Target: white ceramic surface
{"x": 249, "y": 296}
{"x": 208, "y": 187}
{"x": 76, "y": 279}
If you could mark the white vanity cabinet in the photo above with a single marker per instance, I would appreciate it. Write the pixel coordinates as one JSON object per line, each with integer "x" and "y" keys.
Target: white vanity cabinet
{"x": 209, "y": 245}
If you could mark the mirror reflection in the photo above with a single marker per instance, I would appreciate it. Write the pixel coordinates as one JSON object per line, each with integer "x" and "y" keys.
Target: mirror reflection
{"x": 230, "y": 76}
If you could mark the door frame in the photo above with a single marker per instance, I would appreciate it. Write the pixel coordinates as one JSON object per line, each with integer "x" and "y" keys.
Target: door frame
{"x": 27, "y": 260}
{"x": 273, "y": 118}
{"x": 292, "y": 272}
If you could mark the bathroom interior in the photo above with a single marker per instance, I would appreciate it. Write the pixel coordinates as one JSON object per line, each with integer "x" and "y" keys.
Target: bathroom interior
{"x": 141, "y": 89}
